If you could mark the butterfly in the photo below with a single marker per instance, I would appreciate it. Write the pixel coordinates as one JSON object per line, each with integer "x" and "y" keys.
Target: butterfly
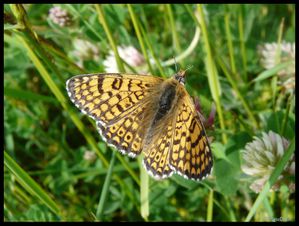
{"x": 146, "y": 114}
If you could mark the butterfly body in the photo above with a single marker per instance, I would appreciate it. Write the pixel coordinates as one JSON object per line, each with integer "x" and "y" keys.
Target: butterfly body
{"x": 141, "y": 113}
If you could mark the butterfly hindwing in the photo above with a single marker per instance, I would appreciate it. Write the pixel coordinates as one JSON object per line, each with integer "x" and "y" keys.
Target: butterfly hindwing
{"x": 126, "y": 134}
{"x": 156, "y": 159}
{"x": 190, "y": 154}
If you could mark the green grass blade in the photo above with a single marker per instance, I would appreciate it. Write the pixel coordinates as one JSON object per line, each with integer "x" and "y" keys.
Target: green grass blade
{"x": 157, "y": 61}
{"x": 286, "y": 116}
{"x": 229, "y": 208}
{"x": 242, "y": 43}
{"x": 105, "y": 189}
{"x": 103, "y": 21}
{"x": 144, "y": 191}
{"x": 30, "y": 185}
{"x": 139, "y": 37}
{"x": 27, "y": 95}
{"x": 128, "y": 168}
{"x": 271, "y": 72}
{"x": 268, "y": 208}
{"x": 277, "y": 60}
{"x": 211, "y": 71}
{"x": 175, "y": 38}
{"x": 210, "y": 206}
{"x": 186, "y": 52}
{"x": 235, "y": 86}
{"x": 87, "y": 24}
{"x": 230, "y": 44}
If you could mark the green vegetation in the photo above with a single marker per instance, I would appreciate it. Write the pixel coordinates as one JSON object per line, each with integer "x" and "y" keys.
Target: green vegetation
{"x": 56, "y": 166}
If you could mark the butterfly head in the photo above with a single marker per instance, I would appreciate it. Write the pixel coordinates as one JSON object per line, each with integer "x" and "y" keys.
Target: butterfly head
{"x": 180, "y": 75}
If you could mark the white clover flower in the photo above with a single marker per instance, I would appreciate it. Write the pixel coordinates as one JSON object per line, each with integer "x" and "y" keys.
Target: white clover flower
{"x": 89, "y": 156}
{"x": 85, "y": 50}
{"x": 128, "y": 53}
{"x": 262, "y": 155}
{"x": 110, "y": 63}
{"x": 59, "y": 16}
{"x": 267, "y": 53}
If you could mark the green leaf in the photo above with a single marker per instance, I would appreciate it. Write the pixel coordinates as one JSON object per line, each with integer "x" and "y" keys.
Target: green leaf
{"x": 273, "y": 121}
{"x": 227, "y": 169}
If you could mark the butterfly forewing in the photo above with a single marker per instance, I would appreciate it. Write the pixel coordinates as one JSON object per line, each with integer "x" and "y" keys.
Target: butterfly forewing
{"x": 109, "y": 97}
{"x": 117, "y": 102}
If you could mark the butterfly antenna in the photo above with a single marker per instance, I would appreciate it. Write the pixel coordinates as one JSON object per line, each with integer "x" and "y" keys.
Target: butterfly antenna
{"x": 189, "y": 67}
{"x": 175, "y": 64}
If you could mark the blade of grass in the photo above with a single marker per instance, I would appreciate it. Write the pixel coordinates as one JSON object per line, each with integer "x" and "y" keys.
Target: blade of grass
{"x": 174, "y": 33}
{"x": 242, "y": 43}
{"x": 277, "y": 61}
{"x": 139, "y": 37}
{"x": 55, "y": 50}
{"x": 229, "y": 208}
{"x": 190, "y": 48}
{"x": 238, "y": 93}
{"x": 230, "y": 44}
{"x": 274, "y": 176}
{"x": 187, "y": 52}
{"x": 210, "y": 206}
{"x": 144, "y": 191}
{"x": 149, "y": 45}
{"x": 144, "y": 19}
{"x": 221, "y": 208}
{"x": 128, "y": 168}
{"x": 271, "y": 72}
{"x": 21, "y": 194}
{"x": 29, "y": 36}
{"x": 104, "y": 192}
{"x": 87, "y": 24}
{"x": 103, "y": 21}
{"x": 27, "y": 95}
{"x": 211, "y": 71}
{"x": 268, "y": 208}
{"x": 30, "y": 185}
{"x": 286, "y": 116}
